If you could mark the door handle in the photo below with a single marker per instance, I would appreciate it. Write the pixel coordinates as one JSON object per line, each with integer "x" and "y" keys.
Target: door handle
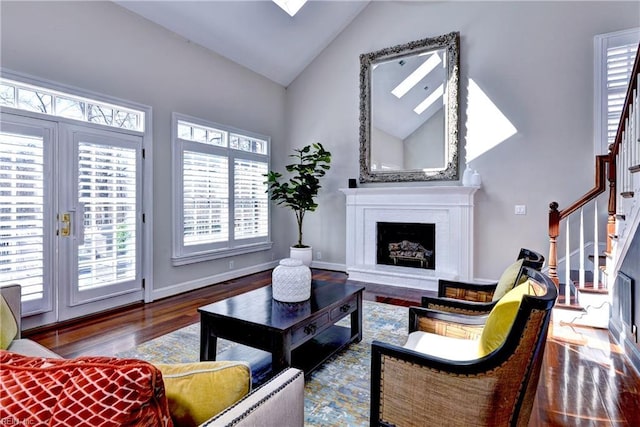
{"x": 74, "y": 218}
{"x": 65, "y": 219}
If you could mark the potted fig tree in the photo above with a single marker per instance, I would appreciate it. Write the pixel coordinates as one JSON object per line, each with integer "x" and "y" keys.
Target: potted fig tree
{"x": 299, "y": 192}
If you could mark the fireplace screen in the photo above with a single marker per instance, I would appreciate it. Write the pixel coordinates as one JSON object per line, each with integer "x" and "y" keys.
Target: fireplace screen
{"x": 406, "y": 244}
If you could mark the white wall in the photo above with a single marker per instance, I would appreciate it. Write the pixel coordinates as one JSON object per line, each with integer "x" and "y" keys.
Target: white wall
{"x": 424, "y": 147}
{"x": 386, "y": 150}
{"x": 534, "y": 60}
{"x": 102, "y": 47}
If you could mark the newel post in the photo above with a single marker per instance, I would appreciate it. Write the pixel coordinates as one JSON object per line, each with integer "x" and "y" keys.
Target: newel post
{"x": 611, "y": 220}
{"x": 554, "y": 231}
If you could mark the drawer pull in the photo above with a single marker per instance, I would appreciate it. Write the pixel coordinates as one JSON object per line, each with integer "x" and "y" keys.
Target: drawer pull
{"x": 310, "y": 329}
{"x": 345, "y": 308}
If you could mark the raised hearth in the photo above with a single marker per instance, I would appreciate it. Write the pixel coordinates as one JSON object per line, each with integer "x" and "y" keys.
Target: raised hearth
{"x": 450, "y": 208}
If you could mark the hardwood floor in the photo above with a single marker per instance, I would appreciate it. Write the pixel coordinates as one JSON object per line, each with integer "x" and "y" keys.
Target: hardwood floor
{"x": 586, "y": 380}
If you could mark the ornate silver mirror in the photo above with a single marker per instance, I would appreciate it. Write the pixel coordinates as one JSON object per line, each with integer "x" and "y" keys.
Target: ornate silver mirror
{"x": 409, "y": 111}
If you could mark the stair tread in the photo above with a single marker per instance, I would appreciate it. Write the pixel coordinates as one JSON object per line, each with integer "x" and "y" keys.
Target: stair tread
{"x": 573, "y": 303}
{"x": 588, "y": 283}
{"x": 574, "y": 307}
{"x": 592, "y": 290}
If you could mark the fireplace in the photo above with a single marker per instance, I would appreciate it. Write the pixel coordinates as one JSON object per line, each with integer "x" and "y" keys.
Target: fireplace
{"x": 406, "y": 244}
{"x": 447, "y": 210}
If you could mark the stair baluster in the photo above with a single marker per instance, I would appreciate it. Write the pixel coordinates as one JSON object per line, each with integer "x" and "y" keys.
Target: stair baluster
{"x": 567, "y": 264}
{"x": 581, "y": 251}
{"x": 596, "y": 247}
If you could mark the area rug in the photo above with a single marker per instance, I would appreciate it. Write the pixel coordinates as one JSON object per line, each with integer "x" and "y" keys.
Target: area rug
{"x": 337, "y": 394}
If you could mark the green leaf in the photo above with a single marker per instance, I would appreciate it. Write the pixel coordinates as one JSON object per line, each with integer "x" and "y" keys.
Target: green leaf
{"x": 301, "y": 189}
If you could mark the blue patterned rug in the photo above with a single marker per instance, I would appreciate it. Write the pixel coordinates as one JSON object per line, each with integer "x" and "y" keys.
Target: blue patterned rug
{"x": 337, "y": 394}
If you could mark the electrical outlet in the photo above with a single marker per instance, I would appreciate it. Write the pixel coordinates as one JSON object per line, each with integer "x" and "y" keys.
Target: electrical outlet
{"x": 318, "y": 255}
{"x": 231, "y": 265}
{"x": 520, "y": 210}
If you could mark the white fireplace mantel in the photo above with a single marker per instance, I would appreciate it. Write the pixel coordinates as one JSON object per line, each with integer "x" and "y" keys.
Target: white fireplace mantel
{"x": 450, "y": 208}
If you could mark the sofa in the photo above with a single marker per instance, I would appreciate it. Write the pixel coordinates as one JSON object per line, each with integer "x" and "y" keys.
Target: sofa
{"x": 278, "y": 402}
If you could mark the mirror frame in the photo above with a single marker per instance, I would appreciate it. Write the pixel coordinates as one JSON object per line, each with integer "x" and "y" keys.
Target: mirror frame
{"x": 450, "y": 42}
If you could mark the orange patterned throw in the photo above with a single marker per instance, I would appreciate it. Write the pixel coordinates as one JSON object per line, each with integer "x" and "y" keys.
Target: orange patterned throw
{"x": 87, "y": 391}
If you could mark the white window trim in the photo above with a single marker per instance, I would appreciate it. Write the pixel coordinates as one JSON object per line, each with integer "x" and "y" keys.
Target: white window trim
{"x": 57, "y": 89}
{"x": 147, "y": 145}
{"x": 601, "y": 43}
{"x": 232, "y": 247}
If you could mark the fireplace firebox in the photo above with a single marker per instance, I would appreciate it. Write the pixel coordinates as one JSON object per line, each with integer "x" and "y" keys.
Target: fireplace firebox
{"x": 406, "y": 244}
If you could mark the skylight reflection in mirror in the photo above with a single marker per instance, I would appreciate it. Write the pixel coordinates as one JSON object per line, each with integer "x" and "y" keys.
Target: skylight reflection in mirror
{"x": 430, "y": 100}
{"x": 415, "y": 77}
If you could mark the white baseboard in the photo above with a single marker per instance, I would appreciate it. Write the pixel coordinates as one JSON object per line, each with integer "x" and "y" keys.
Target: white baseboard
{"x": 209, "y": 280}
{"x": 329, "y": 266}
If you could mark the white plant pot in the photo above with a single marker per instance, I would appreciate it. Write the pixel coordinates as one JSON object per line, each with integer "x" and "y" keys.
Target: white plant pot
{"x": 303, "y": 254}
{"x": 291, "y": 281}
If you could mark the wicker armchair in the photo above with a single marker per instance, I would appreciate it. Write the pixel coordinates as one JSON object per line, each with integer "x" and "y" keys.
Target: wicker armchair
{"x": 479, "y": 298}
{"x": 448, "y": 381}
{"x": 532, "y": 259}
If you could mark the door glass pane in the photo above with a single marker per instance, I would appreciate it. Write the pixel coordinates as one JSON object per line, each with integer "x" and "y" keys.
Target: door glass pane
{"x": 107, "y": 196}
{"x": 71, "y": 108}
{"x": 31, "y": 100}
{"x": 22, "y": 213}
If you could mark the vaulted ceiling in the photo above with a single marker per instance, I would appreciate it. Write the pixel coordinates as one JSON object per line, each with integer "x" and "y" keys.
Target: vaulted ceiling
{"x": 256, "y": 34}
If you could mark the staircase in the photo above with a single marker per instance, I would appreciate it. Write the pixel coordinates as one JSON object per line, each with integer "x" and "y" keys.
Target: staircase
{"x": 595, "y": 232}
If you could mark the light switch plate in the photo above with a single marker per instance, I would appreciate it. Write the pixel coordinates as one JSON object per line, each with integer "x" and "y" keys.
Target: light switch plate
{"x": 520, "y": 210}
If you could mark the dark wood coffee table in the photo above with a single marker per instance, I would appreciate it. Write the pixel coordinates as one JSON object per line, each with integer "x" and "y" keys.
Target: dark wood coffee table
{"x": 303, "y": 335}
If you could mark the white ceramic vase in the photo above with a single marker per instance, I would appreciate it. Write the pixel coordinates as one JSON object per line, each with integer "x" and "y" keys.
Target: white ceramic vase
{"x": 466, "y": 176}
{"x": 476, "y": 180}
{"x": 291, "y": 281}
{"x": 303, "y": 254}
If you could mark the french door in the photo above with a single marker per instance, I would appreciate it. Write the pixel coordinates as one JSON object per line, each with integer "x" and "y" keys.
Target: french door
{"x": 70, "y": 216}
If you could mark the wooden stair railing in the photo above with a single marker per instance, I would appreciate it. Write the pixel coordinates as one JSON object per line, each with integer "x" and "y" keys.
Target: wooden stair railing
{"x": 617, "y": 166}
{"x": 555, "y": 215}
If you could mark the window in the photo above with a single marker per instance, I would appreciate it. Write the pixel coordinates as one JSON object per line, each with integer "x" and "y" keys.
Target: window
{"x": 614, "y": 56}
{"x": 27, "y": 97}
{"x": 221, "y": 205}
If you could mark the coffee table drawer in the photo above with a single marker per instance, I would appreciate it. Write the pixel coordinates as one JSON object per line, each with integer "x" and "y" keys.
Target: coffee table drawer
{"x": 348, "y": 307}
{"x": 308, "y": 329}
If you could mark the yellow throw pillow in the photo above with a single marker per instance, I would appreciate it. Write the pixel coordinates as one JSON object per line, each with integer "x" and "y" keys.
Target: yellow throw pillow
{"x": 199, "y": 391}
{"x": 8, "y": 325}
{"x": 507, "y": 280}
{"x": 501, "y": 318}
